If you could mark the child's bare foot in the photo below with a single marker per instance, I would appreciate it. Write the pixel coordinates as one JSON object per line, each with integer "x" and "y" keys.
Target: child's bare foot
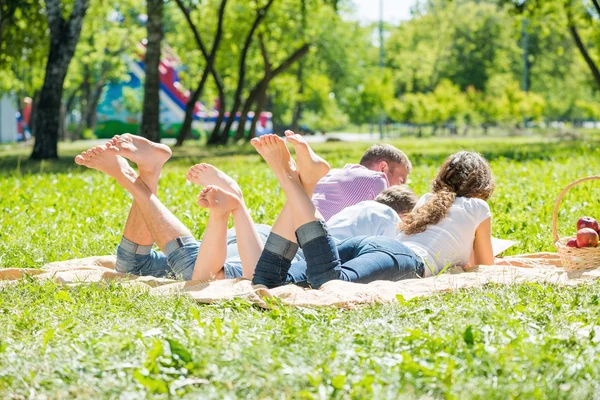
{"x": 105, "y": 160}
{"x": 206, "y": 174}
{"x": 311, "y": 167}
{"x": 218, "y": 200}
{"x": 273, "y": 149}
{"x": 149, "y": 156}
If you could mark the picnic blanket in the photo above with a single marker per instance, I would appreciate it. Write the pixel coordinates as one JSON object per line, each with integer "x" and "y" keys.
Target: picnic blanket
{"x": 539, "y": 267}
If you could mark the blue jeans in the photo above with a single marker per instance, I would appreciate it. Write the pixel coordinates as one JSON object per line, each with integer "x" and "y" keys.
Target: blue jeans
{"x": 178, "y": 258}
{"x": 360, "y": 259}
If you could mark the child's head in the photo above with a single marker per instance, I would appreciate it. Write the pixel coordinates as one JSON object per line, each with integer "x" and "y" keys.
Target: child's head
{"x": 400, "y": 198}
{"x": 467, "y": 174}
{"x": 463, "y": 174}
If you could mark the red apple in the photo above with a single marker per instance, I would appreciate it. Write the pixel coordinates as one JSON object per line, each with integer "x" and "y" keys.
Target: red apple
{"x": 587, "y": 237}
{"x": 572, "y": 243}
{"x": 587, "y": 222}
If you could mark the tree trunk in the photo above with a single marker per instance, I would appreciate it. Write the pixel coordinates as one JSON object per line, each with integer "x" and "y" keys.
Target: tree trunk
{"x": 241, "y": 129}
{"x": 92, "y": 118}
{"x": 237, "y": 97}
{"x": 64, "y": 36}
{"x": 263, "y": 85}
{"x": 150, "y": 125}
{"x": 260, "y": 102}
{"x": 297, "y": 116}
{"x": 186, "y": 127}
{"x": 583, "y": 50}
{"x": 215, "y": 136}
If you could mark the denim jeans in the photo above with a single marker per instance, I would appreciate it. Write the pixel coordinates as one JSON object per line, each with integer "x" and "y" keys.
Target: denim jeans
{"x": 179, "y": 257}
{"x": 360, "y": 259}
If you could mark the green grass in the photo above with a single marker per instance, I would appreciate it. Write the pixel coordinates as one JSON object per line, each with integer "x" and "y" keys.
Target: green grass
{"x": 107, "y": 341}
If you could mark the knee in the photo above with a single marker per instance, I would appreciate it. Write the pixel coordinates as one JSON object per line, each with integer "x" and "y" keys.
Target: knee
{"x": 131, "y": 263}
{"x": 182, "y": 260}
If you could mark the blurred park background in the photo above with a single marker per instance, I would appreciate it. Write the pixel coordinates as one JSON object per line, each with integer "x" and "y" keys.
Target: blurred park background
{"x": 224, "y": 71}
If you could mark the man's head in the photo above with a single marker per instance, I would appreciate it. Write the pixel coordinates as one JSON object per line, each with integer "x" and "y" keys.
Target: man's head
{"x": 400, "y": 198}
{"x": 387, "y": 159}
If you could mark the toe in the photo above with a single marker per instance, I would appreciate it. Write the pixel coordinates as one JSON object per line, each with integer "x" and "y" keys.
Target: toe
{"x": 79, "y": 160}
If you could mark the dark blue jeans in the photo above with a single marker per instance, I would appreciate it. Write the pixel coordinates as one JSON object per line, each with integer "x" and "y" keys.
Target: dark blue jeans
{"x": 360, "y": 259}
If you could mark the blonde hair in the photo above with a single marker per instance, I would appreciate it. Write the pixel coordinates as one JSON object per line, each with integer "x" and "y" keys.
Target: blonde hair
{"x": 463, "y": 174}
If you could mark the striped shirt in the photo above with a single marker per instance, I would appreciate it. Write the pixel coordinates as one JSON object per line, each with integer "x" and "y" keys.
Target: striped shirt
{"x": 345, "y": 187}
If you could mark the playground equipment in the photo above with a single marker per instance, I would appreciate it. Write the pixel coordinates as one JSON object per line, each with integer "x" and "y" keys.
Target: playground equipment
{"x": 119, "y": 109}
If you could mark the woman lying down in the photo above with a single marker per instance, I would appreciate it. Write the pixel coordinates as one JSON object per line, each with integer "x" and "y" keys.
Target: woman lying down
{"x": 446, "y": 227}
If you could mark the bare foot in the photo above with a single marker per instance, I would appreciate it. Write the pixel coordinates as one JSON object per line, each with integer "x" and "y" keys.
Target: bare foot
{"x": 149, "y": 156}
{"x": 311, "y": 167}
{"x": 218, "y": 200}
{"x": 206, "y": 174}
{"x": 105, "y": 160}
{"x": 273, "y": 149}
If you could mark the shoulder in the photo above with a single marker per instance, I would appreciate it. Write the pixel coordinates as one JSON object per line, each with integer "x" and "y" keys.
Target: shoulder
{"x": 476, "y": 207}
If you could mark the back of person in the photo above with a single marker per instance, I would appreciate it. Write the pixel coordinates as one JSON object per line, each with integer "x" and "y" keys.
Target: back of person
{"x": 450, "y": 241}
{"x": 381, "y": 166}
{"x": 345, "y": 187}
{"x": 367, "y": 218}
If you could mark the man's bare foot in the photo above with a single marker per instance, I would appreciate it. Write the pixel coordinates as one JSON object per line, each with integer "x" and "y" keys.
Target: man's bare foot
{"x": 149, "y": 156}
{"x": 104, "y": 159}
{"x": 311, "y": 167}
{"x": 273, "y": 149}
{"x": 218, "y": 200}
{"x": 206, "y": 174}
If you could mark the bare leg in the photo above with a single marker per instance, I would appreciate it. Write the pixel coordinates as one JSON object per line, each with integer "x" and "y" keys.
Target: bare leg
{"x": 213, "y": 250}
{"x": 161, "y": 223}
{"x": 149, "y": 157}
{"x": 273, "y": 150}
{"x": 311, "y": 168}
{"x": 249, "y": 244}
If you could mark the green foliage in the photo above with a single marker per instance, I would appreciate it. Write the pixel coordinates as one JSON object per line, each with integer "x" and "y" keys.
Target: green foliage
{"x": 109, "y": 340}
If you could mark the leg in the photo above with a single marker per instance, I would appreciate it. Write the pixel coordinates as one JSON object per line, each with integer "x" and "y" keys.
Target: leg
{"x": 275, "y": 260}
{"x": 172, "y": 237}
{"x": 311, "y": 168}
{"x": 249, "y": 243}
{"x": 362, "y": 259}
{"x": 149, "y": 157}
{"x": 213, "y": 250}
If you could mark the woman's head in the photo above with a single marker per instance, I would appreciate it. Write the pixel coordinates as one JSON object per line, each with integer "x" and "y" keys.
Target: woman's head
{"x": 463, "y": 174}
{"x": 467, "y": 174}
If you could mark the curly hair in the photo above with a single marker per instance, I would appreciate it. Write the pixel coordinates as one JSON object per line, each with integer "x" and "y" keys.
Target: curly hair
{"x": 463, "y": 174}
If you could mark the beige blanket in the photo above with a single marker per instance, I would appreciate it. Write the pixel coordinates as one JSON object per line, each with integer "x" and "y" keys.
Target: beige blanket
{"x": 539, "y": 267}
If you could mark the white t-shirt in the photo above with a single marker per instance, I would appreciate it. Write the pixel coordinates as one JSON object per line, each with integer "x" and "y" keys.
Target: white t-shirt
{"x": 450, "y": 241}
{"x": 367, "y": 218}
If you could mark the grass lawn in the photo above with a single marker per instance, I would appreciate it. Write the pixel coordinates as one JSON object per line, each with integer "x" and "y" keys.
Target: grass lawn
{"x": 105, "y": 341}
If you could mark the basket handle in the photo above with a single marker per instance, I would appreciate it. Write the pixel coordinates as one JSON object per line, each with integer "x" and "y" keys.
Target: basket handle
{"x": 560, "y": 197}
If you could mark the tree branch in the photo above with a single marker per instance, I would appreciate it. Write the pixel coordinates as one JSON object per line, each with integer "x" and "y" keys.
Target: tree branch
{"x": 263, "y": 51}
{"x": 295, "y": 56}
{"x": 583, "y": 50}
{"x": 597, "y": 7}
{"x": 55, "y": 19}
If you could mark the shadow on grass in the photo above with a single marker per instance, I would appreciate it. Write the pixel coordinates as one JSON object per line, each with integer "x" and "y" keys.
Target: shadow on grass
{"x": 15, "y": 161}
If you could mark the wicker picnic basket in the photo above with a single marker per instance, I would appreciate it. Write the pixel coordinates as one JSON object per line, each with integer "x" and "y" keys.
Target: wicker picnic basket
{"x": 574, "y": 259}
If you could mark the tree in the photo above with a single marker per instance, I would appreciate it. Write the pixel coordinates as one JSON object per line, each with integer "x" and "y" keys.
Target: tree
{"x": 99, "y": 59}
{"x": 150, "y": 125}
{"x": 222, "y": 137}
{"x": 64, "y": 35}
{"x": 209, "y": 68}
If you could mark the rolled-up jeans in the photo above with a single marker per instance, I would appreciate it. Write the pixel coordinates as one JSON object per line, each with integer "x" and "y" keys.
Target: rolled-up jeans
{"x": 360, "y": 259}
{"x": 178, "y": 258}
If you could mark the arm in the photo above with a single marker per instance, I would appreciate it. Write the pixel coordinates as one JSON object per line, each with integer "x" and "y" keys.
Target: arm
{"x": 483, "y": 253}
